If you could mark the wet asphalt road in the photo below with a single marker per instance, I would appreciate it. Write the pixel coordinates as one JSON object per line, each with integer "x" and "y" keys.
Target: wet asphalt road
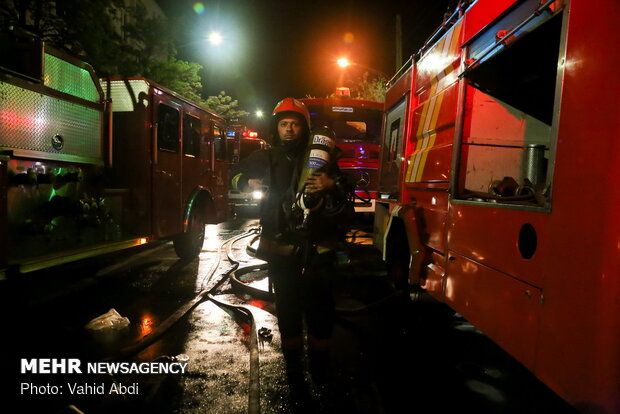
{"x": 396, "y": 356}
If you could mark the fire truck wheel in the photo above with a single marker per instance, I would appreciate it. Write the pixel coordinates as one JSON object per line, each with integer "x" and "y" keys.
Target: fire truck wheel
{"x": 189, "y": 244}
{"x": 398, "y": 258}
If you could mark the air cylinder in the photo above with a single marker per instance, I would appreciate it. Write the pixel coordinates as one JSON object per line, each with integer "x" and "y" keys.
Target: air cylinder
{"x": 534, "y": 163}
{"x": 322, "y": 142}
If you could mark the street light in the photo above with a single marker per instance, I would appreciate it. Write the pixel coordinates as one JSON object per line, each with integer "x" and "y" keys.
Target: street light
{"x": 215, "y": 38}
{"x": 259, "y": 113}
{"x": 343, "y": 62}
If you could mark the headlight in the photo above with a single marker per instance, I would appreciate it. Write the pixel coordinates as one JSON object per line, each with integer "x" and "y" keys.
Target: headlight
{"x": 257, "y": 195}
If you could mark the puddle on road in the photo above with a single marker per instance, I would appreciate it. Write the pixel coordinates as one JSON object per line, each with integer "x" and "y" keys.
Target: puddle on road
{"x": 217, "y": 343}
{"x": 218, "y": 346}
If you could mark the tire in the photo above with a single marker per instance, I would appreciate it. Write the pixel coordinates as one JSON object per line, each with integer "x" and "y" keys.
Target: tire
{"x": 189, "y": 244}
{"x": 398, "y": 259}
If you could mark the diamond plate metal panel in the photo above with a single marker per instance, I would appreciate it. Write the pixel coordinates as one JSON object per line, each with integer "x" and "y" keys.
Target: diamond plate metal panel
{"x": 122, "y": 100}
{"x": 30, "y": 121}
{"x": 69, "y": 78}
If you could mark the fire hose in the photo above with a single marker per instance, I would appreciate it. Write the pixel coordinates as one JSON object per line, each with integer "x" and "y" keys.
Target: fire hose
{"x": 269, "y": 296}
{"x": 233, "y": 273}
{"x": 206, "y": 294}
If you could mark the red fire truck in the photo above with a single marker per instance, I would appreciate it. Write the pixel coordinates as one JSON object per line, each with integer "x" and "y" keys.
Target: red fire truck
{"x": 497, "y": 191}
{"x": 357, "y": 124}
{"x": 86, "y": 171}
{"x": 243, "y": 141}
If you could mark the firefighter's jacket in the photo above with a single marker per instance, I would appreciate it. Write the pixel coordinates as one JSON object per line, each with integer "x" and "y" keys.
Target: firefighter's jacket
{"x": 279, "y": 168}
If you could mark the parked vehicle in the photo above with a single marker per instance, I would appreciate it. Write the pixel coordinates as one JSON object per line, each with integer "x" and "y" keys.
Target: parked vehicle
{"x": 86, "y": 171}
{"x": 357, "y": 124}
{"x": 498, "y": 191}
{"x": 243, "y": 141}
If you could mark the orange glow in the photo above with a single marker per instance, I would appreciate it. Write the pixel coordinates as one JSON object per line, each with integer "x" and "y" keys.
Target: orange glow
{"x": 261, "y": 304}
{"x": 143, "y": 240}
{"x": 146, "y": 325}
{"x": 343, "y": 62}
{"x": 348, "y": 38}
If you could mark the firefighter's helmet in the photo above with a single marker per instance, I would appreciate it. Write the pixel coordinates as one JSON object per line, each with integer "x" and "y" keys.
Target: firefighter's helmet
{"x": 291, "y": 106}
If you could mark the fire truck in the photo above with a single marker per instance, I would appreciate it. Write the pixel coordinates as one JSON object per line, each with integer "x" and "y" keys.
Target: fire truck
{"x": 496, "y": 187}
{"x": 243, "y": 141}
{"x": 86, "y": 170}
{"x": 357, "y": 124}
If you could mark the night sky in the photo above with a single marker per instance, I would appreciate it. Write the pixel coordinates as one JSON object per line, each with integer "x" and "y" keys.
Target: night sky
{"x": 274, "y": 49}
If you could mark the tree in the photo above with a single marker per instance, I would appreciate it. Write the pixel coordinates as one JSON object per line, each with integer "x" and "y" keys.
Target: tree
{"x": 178, "y": 75}
{"x": 366, "y": 88}
{"x": 118, "y": 40}
{"x": 226, "y": 106}
{"x": 371, "y": 89}
{"x": 86, "y": 29}
{"x": 148, "y": 48}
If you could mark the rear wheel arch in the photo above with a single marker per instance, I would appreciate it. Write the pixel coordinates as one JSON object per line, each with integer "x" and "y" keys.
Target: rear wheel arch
{"x": 202, "y": 199}
{"x": 404, "y": 245}
{"x": 397, "y": 253}
{"x": 196, "y": 215}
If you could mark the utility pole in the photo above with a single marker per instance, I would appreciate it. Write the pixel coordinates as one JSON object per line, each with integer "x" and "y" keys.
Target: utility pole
{"x": 399, "y": 44}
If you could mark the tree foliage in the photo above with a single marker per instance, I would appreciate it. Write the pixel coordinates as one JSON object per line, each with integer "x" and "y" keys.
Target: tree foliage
{"x": 370, "y": 89}
{"x": 366, "y": 88}
{"x": 178, "y": 75}
{"x": 86, "y": 29}
{"x": 225, "y": 105}
{"x": 118, "y": 40}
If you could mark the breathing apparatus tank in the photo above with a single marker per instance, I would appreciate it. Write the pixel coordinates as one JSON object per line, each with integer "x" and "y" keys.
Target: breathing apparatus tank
{"x": 317, "y": 158}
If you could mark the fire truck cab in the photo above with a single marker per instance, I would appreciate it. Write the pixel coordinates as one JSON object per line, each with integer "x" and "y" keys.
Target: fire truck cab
{"x": 497, "y": 190}
{"x": 357, "y": 124}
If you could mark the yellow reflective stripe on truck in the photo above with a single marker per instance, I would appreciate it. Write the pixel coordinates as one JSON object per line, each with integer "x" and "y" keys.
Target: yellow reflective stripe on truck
{"x": 426, "y": 134}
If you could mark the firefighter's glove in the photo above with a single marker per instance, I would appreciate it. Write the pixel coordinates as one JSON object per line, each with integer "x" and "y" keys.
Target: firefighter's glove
{"x": 319, "y": 181}
{"x": 255, "y": 184}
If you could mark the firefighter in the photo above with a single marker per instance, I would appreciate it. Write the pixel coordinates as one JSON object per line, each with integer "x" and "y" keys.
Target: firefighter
{"x": 300, "y": 261}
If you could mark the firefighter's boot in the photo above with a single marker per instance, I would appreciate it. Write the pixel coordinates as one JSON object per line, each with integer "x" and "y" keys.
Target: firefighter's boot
{"x": 319, "y": 360}
{"x": 292, "y": 349}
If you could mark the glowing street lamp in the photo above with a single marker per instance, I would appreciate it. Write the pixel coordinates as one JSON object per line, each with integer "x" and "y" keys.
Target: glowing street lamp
{"x": 259, "y": 113}
{"x": 215, "y": 38}
{"x": 343, "y": 62}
